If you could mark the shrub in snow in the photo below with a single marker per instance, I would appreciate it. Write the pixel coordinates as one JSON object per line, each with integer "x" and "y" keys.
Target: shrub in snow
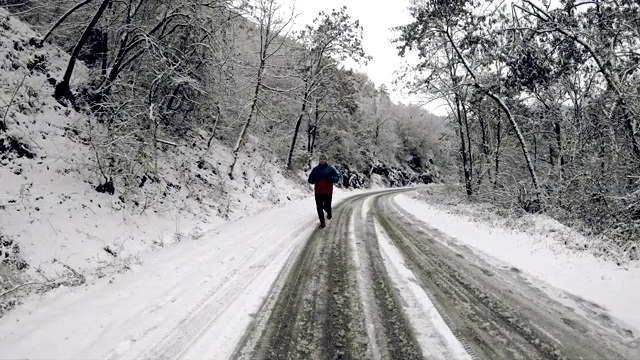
{"x": 38, "y": 62}
{"x": 4, "y": 23}
{"x": 12, "y": 268}
{"x": 106, "y": 187}
{"x": 11, "y": 146}
{"x": 10, "y": 254}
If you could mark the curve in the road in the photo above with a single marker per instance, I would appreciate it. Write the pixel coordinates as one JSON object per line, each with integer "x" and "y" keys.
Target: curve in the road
{"x": 339, "y": 302}
{"x": 319, "y": 313}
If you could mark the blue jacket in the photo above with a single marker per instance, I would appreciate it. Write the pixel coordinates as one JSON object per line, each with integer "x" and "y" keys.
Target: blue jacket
{"x": 323, "y": 177}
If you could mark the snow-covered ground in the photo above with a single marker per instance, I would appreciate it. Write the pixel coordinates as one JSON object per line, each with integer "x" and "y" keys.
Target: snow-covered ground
{"x": 223, "y": 275}
{"x": 50, "y": 208}
{"x": 156, "y": 310}
{"x": 569, "y": 276}
{"x": 51, "y": 216}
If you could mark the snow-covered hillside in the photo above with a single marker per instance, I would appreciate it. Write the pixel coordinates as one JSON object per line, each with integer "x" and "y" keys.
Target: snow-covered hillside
{"x": 55, "y": 227}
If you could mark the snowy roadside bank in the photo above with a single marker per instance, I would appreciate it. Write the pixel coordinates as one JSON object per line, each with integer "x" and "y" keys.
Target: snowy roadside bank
{"x": 591, "y": 284}
{"x": 226, "y": 273}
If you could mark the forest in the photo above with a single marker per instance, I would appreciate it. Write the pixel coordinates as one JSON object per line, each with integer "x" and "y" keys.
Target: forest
{"x": 227, "y": 73}
{"x": 542, "y": 97}
{"x": 544, "y": 100}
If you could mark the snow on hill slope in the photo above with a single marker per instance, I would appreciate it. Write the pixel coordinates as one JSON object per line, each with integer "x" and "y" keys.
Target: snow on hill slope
{"x": 55, "y": 225}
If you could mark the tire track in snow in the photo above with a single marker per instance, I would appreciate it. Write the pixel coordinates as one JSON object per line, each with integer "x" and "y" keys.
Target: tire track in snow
{"x": 494, "y": 311}
{"x": 429, "y": 326}
{"x": 353, "y": 291}
{"x": 323, "y": 291}
{"x": 365, "y": 287}
{"x": 317, "y": 315}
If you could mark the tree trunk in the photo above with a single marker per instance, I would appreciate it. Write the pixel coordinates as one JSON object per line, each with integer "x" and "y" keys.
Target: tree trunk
{"x": 523, "y": 144}
{"x": 309, "y": 130}
{"x": 484, "y": 168}
{"x": 314, "y": 136}
{"x": 375, "y": 141}
{"x": 313, "y": 128}
{"x": 295, "y": 138}
{"x": 498, "y": 144}
{"x": 561, "y": 162}
{"x": 266, "y": 38}
{"x": 305, "y": 98}
{"x": 463, "y": 150}
{"x": 486, "y": 150}
{"x": 62, "y": 18}
{"x": 469, "y": 150}
{"x": 154, "y": 119}
{"x": 213, "y": 130}
{"x": 535, "y": 148}
{"x": 377, "y": 130}
{"x": 105, "y": 53}
{"x": 507, "y": 111}
{"x": 62, "y": 90}
{"x": 295, "y": 133}
{"x": 245, "y": 126}
{"x": 461, "y": 127}
{"x": 632, "y": 127}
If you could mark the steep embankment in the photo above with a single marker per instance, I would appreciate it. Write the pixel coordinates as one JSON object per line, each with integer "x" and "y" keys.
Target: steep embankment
{"x": 55, "y": 227}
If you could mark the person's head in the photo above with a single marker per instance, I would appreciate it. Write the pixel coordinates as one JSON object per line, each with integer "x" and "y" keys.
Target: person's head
{"x": 323, "y": 159}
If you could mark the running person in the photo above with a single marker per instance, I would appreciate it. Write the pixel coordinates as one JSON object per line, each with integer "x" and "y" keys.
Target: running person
{"x": 323, "y": 177}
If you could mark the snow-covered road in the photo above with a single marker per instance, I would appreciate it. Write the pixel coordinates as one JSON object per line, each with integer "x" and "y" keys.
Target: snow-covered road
{"x": 377, "y": 283}
{"x": 380, "y": 283}
{"x": 204, "y": 289}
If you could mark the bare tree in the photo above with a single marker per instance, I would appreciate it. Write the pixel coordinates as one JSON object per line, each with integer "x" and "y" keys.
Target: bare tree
{"x": 62, "y": 90}
{"x": 437, "y": 23}
{"x": 273, "y": 31}
{"x": 605, "y": 66}
{"x": 335, "y": 37}
{"x": 63, "y": 18}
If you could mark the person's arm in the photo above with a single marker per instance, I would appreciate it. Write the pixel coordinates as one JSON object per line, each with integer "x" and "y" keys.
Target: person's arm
{"x": 312, "y": 177}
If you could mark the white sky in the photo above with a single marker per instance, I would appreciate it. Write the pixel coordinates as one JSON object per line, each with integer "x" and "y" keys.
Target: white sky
{"x": 376, "y": 18}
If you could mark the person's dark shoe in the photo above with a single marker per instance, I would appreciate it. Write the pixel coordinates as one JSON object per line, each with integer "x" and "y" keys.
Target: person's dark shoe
{"x": 329, "y": 215}
{"x": 322, "y": 225}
